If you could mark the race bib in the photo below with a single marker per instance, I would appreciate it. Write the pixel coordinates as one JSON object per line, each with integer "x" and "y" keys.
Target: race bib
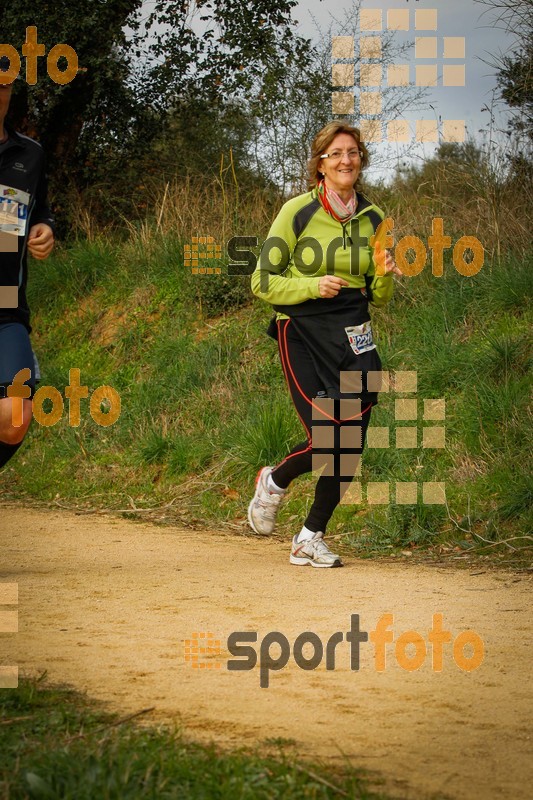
{"x": 360, "y": 338}
{"x": 13, "y": 210}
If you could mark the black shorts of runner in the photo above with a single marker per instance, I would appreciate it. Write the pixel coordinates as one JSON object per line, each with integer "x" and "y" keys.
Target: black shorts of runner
{"x": 16, "y": 354}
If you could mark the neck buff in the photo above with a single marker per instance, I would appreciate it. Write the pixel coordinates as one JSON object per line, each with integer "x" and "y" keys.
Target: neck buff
{"x": 334, "y": 205}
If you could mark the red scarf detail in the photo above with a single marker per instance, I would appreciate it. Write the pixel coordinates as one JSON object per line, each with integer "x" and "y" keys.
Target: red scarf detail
{"x": 326, "y": 204}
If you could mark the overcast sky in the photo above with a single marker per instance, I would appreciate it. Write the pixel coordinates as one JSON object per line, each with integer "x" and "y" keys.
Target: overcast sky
{"x": 456, "y": 18}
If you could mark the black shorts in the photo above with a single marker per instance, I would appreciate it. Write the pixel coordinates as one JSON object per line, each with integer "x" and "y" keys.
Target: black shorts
{"x": 16, "y": 354}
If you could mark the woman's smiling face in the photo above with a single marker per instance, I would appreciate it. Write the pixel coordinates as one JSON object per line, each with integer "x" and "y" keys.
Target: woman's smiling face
{"x": 341, "y": 173}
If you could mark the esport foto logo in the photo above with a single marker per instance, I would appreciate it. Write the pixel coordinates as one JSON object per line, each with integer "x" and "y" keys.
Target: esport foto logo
{"x": 409, "y": 650}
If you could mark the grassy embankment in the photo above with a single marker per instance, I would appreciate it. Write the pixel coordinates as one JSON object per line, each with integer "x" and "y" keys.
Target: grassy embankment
{"x": 204, "y": 403}
{"x": 55, "y": 744}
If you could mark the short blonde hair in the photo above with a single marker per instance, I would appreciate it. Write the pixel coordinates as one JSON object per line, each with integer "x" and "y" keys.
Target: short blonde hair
{"x": 321, "y": 143}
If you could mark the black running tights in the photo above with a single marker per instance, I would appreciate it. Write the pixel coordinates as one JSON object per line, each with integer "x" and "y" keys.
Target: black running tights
{"x": 338, "y": 443}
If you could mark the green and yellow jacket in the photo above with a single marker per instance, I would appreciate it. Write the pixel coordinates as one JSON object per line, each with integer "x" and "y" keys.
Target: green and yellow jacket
{"x": 305, "y": 243}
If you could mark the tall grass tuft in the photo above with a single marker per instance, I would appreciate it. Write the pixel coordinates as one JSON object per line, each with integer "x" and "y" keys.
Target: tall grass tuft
{"x": 264, "y": 434}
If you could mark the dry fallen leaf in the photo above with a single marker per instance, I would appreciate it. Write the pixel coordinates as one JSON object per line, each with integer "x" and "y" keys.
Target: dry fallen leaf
{"x": 233, "y": 494}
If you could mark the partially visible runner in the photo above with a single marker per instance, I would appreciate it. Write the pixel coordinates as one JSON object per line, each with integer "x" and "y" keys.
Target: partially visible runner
{"x": 318, "y": 270}
{"x": 25, "y": 225}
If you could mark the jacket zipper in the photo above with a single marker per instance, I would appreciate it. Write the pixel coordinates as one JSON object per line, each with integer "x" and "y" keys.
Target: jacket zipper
{"x": 346, "y": 237}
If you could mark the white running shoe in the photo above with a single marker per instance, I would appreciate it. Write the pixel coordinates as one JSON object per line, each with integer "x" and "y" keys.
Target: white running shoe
{"x": 264, "y": 507}
{"x": 313, "y": 551}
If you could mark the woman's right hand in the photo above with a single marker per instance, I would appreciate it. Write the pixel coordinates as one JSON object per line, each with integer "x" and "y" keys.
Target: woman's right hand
{"x": 330, "y": 285}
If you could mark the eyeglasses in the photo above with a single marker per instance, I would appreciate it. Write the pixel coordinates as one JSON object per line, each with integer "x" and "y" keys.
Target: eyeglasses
{"x": 336, "y": 155}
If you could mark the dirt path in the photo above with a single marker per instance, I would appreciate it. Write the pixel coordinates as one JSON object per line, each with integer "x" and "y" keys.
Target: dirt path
{"x": 106, "y": 605}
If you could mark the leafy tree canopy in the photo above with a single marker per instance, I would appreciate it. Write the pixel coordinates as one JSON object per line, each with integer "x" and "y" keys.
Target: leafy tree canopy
{"x": 142, "y": 75}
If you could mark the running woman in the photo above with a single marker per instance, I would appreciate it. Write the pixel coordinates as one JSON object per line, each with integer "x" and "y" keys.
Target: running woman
{"x": 25, "y": 225}
{"x": 318, "y": 270}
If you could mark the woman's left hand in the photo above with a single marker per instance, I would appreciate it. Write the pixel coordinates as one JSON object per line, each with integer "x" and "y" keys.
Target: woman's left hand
{"x": 385, "y": 262}
{"x": 390, "y": 264}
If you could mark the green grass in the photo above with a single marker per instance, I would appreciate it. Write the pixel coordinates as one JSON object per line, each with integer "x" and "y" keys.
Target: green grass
{"x": 56, "y": 744}
{"x": 204, "y": 402}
